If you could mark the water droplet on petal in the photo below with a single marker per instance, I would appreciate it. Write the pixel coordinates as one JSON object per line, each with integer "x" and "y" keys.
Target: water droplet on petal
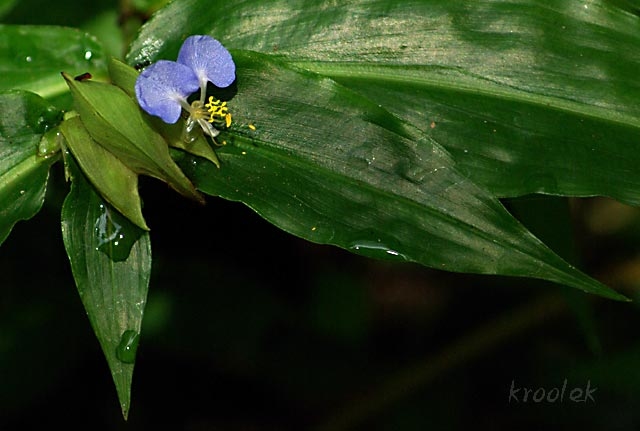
{"x": 126, "y": 350}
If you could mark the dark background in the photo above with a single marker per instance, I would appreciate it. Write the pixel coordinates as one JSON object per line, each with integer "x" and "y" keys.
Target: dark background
{"x": 249, "y": 328}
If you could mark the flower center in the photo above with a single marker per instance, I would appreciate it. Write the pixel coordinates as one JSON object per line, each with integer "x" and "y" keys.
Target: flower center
{"x": 205, "y": 115}
{"x": 198, "y": 111}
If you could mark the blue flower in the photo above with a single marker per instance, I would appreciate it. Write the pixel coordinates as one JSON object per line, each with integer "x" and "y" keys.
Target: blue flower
{"x": 209, "y": 60}
{"x": 162, "y": 89}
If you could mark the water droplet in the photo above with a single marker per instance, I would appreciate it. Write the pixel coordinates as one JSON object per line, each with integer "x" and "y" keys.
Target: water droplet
{"x": 365, "y": 153}
{"x": 29, "y": 59}
{"x": 126, "y": 350}
{"x": 376, "y": 249}
{"x": 50, "y": 143}
{"x": 87, "y": 55}
{"x": 541, "y": 182}
{"x": 115, "y": 234}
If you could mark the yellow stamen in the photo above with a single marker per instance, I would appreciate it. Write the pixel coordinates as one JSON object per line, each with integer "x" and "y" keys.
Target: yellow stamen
{"x": 218, "y": 111}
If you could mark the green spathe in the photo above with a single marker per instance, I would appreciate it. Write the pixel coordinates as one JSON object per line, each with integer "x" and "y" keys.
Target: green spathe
{"x": 115, "y": 122}
{"x": 117, "y": 184}
{"x": 124, "y": 76}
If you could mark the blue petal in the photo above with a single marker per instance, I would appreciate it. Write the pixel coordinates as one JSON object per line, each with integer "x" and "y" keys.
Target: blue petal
{"x": 161, "y": 87}
{"x": 208, "y": 59}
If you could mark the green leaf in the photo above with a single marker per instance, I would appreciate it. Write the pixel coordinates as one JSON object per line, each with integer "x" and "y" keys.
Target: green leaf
{"x": 328, "y": 165}
{"x": 527, "y": 96}
{"x": 32, "y": 57}
{"x": 115, "y": 182}
{"x": 111, "y": 263}
{"x": 23, "y": 174}
{"x": 115, "y": 121}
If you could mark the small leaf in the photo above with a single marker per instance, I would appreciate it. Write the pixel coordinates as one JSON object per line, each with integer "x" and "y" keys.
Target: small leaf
{"x": 115, "y": 122}
{"x": 112, "y": 283}
{"x": 172, "y": 133}
{"x": 124, "y": 76}
{"x": 115, "y": 182}
{"x": 23, "y": 174}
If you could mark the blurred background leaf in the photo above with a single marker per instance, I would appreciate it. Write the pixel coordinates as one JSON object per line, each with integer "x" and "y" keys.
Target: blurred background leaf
{"x": 32, "y": 57}
{"x": 6, "y": 6}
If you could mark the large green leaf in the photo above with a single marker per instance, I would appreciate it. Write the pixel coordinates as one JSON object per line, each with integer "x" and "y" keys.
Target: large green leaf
{"x": 23, "y": 174}
{"x": 111, "y": 263}
{"x": 32, "y": 57}
{"x": 328, "y": 165}
{"x": 336, "y": 168}
{"x": 527, "y": 95}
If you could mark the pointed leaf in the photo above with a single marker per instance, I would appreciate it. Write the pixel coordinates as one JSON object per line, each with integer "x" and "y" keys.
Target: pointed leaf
{"x": 23, "y": 174}
{"x": 341, "y": 170}
{"x": 116, "y": 183}
{"x": 111, "y": 263}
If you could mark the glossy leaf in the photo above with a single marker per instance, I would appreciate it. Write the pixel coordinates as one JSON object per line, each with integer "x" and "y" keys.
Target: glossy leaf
{"x": 325, "y": 164}
{"x": 115, "y": 122}
{"x": 528, "y": 95}
{"x": 23, "y": 174}
{"x": 32, "y": 57}
{"x": 116, "y": 183}
{"x": 111, "y": 263}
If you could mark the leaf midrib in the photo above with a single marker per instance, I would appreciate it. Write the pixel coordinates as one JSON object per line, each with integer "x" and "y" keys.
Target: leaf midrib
{"x": 465, "y": 83}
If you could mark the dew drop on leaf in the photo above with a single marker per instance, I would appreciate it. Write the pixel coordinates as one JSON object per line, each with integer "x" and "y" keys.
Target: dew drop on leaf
{"x": 126, "y": 350}
{"x": 115, "y": 234}
{"x": 376, "y": 249}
